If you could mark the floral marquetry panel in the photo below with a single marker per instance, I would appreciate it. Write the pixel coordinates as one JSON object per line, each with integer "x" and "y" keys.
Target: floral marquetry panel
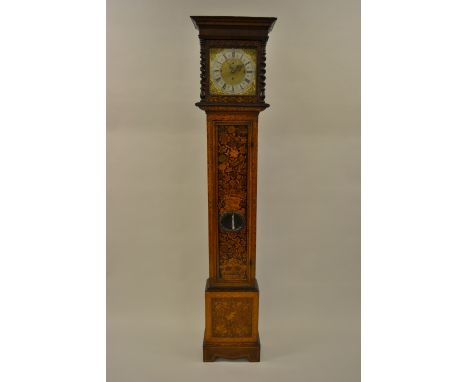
{"x": 232, "y": 317}
{"x": 232, "y": 178}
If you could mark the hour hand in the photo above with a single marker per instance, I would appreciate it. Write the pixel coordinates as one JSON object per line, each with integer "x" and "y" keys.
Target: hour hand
{"x": 235, "y": 68}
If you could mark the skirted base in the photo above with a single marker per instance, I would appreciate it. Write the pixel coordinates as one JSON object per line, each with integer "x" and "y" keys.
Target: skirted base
{"x": 249, "y": 351}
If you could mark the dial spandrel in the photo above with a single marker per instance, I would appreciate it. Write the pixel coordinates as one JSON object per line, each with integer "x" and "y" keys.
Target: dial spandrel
{"x": 232, "y": 71}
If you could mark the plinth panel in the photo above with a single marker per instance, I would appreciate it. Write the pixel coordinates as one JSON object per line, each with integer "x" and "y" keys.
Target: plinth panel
{"x": 231, "y": 316}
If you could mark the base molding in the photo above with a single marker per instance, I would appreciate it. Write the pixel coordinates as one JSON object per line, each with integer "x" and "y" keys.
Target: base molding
{"x": 250, "y": 351}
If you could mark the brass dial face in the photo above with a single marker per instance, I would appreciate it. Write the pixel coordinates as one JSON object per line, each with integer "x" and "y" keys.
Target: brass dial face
{"x": 233, "y": 71}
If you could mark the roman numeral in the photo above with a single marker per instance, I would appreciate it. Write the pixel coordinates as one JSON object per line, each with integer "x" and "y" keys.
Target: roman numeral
{"x": 224, "y": 86}
{"x": 247, "y": 80}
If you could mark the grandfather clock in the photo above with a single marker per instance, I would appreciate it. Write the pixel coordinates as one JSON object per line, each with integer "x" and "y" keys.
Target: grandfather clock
{"x": 232, "y": 95}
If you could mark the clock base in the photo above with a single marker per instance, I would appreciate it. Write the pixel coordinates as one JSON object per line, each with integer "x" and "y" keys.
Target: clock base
{"x": 249, "y": 351}
{"x": 231, "y": 318}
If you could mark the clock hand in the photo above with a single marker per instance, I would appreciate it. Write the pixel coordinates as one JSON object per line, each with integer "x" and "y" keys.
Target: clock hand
{"x": 232, "y": 69}
{"x": 235, "y": 68}
{"x": 239, "y": 67}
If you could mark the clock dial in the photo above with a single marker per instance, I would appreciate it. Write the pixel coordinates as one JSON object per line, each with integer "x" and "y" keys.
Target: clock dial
{"x": 233, "y": 71}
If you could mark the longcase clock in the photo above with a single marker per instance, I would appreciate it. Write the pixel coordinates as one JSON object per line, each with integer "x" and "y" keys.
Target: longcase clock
{"x": 232, "y": 95}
